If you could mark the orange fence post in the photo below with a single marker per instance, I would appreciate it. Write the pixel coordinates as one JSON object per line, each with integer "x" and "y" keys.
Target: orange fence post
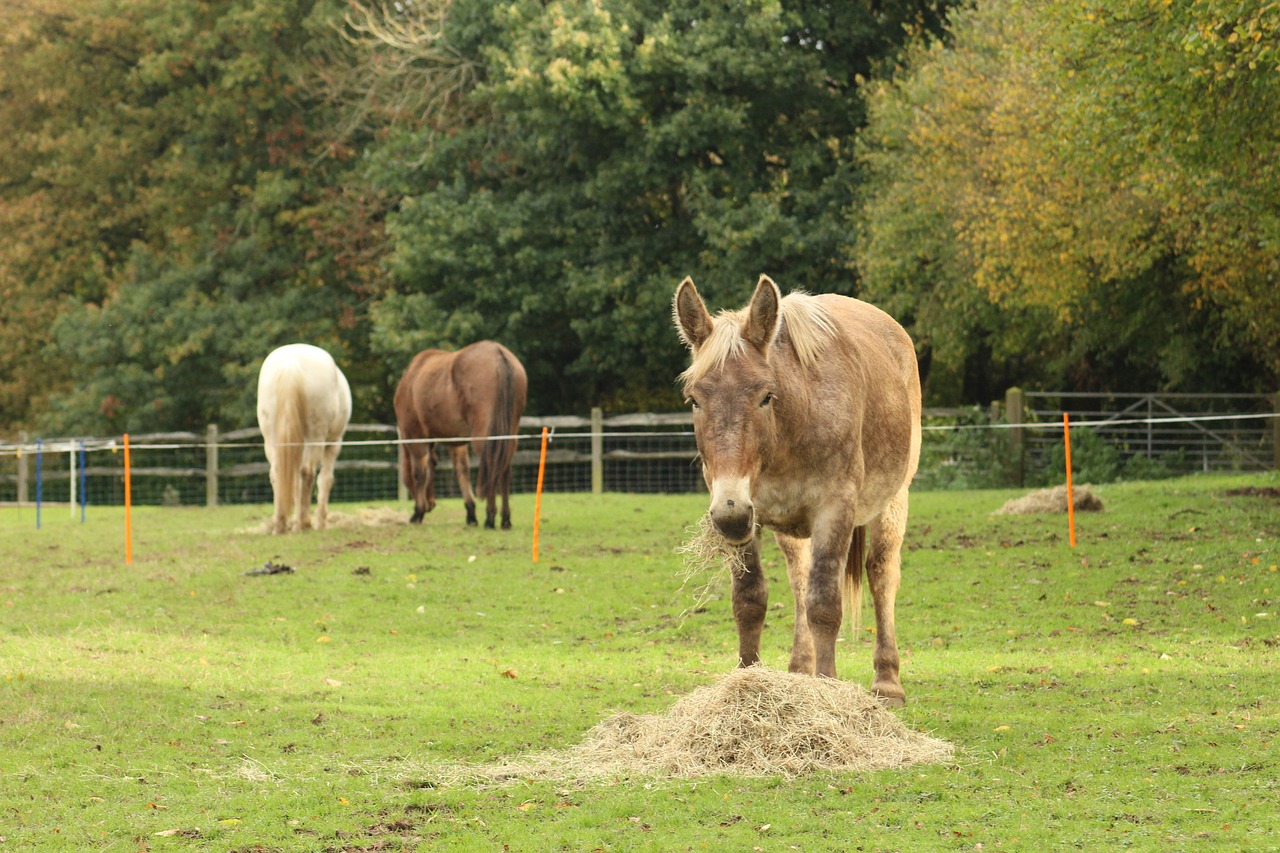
{"x": 1071, "y": 502}
{"x": 537, "y": 501}
{"x": 128, "y": 507}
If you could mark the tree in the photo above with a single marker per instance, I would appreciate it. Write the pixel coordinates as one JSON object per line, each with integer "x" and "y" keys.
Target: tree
{"x": 606, "y": 150}
{"x": 1011, "y": 213}
{"x": 175, "y": 211}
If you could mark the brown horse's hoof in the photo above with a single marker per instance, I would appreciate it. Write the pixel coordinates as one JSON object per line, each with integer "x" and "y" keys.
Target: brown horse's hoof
{"x": 416, "y": 518}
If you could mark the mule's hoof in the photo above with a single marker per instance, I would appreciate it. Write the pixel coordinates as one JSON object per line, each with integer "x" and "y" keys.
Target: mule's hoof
{"x": 506, "y": 525}
{"x": 891, "y": 702}
{"x": 471, "y": 522}
{"x": 416, "y": 518}
{"x": 488, "y": 525}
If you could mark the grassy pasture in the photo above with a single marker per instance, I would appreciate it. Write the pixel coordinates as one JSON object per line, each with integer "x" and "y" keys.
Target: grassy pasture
{"x": 1121, "y": 694}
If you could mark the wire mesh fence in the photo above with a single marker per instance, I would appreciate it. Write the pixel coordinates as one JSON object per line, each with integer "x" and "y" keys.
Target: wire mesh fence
{"x": 651, "y": 453}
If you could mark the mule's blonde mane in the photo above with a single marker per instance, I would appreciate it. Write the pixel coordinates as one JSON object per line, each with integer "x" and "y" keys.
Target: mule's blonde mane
{"x": 805, "y": 322}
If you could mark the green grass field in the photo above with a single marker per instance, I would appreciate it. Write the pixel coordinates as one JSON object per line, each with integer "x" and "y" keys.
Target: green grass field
{"x": 1121, "y": 694}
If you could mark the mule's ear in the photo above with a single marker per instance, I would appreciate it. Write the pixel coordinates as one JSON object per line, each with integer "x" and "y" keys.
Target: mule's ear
{"x": 691, "y": 317}
{"x": 764, "y": 316}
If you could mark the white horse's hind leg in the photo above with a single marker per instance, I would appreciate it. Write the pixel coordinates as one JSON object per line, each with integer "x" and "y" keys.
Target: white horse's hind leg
{"x": 306, "y": 484}
{"x": 279, "y": 513}
{"x": 325, "y": 485}
{"x": 884, "y": 572}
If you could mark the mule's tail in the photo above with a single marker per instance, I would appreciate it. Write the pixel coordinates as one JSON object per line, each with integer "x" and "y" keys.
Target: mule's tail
{"x": 288, "y": 438}
{"x": 853, "y": 579}
{"x": 495, "y": 456}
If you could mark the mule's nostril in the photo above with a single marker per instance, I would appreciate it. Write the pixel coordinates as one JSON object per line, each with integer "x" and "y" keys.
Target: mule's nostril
{"x": 730, "y": 504}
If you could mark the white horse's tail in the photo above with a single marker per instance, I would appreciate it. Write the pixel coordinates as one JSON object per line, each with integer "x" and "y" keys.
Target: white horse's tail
{"x": 289, "y": 436}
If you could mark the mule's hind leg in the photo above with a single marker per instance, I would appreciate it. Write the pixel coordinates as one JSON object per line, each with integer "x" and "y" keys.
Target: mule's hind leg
{"x": 884, "y": 572}
{"x": 796, "y": 552}
{"x": 750, "y": 602}
{"x": 462, "y": 471}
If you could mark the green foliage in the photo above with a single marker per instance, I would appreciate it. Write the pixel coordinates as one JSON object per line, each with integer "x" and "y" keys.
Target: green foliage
{"x": 1120, "y": 693}
{"x": 181, "y": 223}
{"x": 609, "y": 150}
{"x": 1094, "y": 459}
{"x": 1063, "y": 192}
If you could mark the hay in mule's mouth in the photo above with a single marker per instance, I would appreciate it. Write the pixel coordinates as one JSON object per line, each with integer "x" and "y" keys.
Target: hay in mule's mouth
{"x": 753, "y": 722}
{"x": 707, "y": 558}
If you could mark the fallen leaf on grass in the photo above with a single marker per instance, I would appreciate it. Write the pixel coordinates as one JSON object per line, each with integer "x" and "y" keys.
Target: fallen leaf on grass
{"x": 178, "y": 833}
{"x": 510, "y": 673}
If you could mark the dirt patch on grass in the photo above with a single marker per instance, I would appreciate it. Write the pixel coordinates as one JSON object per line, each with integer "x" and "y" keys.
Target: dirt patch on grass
{"x": 753, "y": 722}
{"x": 1255, "y": 492}
{"x": 382, "y": 516}
{"x": 1053, "y": 500}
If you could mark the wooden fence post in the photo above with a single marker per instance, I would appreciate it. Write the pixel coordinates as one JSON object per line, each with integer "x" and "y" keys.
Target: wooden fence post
{"x": 1275, "y": 432}
{"x": 211, "y": 466}
{"x": 597, "y": 451}
{"x": 23, "y": 438}
{"x": 1013, "y": 412}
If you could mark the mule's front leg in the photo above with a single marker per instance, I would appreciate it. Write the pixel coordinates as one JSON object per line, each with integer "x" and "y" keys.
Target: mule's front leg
{"x": 824, "y": 599}
{"x": 796, "y": 552}
{"x": 750, "y": 602}
{"x": 884, "y": 572}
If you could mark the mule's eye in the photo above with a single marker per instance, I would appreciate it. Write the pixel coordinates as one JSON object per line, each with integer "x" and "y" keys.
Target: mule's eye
{"x": 693, "y": 403}
{"x": 768, "y": 398}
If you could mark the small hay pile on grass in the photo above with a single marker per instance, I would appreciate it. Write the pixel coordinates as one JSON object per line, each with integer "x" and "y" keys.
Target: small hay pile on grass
{"x": 1053, "y": 500}
{"x": 753, "y": 722}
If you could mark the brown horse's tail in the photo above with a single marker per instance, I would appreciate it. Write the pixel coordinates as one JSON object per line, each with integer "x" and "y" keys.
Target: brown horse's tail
{"x": 288, "y": 437}
{"x": 853, "y": 579}
{"x": 496, "y": 455}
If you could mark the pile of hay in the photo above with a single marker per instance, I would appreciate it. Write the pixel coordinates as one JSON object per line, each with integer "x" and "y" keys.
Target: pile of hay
{"x": 754, "y": 722}
{"x": 1053, "y": 500}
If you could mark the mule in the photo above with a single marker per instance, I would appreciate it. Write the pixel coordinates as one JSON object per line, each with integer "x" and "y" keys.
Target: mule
{"x": 474, "y": 393}
{"x": 304, "y": 404}
{"x": 806, "y": 412}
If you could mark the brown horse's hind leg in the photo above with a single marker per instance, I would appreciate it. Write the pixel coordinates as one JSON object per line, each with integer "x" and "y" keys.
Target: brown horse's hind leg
{"x": 796, "y": 552}
{"x": 505, "y": 486}
{"x": 462, "y": 471}
{"x": 884, "y": 572}
{"x": 421, "y": 470}
{"x": 750, "y": 602}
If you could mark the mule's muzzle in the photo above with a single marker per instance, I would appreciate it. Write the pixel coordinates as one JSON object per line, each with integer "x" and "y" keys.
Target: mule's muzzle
{"x": 735, "y": 520}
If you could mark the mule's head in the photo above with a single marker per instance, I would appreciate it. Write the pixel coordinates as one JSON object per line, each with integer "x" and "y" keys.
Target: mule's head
{"x": 732, "y": 388}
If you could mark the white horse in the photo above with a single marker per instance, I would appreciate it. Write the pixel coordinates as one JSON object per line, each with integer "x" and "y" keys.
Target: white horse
{"x": 304, "y": 403}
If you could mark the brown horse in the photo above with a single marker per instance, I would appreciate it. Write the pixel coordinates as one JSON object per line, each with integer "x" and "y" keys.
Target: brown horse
{"x": 474, "y": 393}
{"x": 806, "y": 412}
